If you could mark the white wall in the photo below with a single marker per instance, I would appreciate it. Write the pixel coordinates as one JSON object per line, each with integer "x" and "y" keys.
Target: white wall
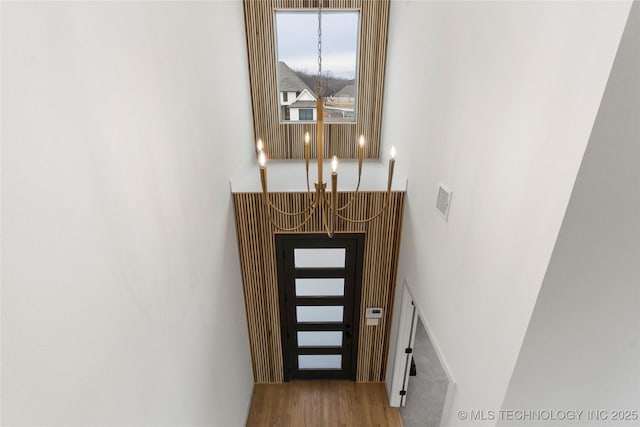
{"x": 294, "y": 114}
{"x": 121, "y": 290}
{"x": 504, "y": 98}
{"x": 291, "y": 97}
{"x": 306, "y": 96}
{"x": 582, "y": 347}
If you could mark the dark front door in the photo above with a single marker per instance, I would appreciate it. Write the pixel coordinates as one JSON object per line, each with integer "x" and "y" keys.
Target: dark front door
{"x": 319, "y": 279}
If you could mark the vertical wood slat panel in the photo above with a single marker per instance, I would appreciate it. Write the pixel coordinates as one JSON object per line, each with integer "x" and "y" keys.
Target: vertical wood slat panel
{"x": 256, "y": 246}
{"x": 285, "y": 140}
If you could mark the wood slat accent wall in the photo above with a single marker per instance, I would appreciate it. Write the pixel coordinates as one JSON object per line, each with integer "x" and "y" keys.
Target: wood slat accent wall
{"x": 256, "y": 244}
{"x": 285, "y": 140}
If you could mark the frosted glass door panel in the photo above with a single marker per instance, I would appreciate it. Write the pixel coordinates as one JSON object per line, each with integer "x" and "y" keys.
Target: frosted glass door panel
{"x": 319, "y": 313}
{"x": 323, "y": 287}
{"x": 320, "y": 339}
{"x": 319, "y": 258}
{"x": 319, "y": 361}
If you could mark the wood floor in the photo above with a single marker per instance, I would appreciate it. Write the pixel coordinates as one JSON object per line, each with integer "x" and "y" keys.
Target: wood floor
{"x": 322, "y": 404}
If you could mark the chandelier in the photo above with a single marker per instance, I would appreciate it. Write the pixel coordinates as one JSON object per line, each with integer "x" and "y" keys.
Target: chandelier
{"x": 326, "y": 204}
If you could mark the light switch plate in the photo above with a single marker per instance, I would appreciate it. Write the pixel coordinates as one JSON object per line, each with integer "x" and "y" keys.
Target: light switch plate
{"x": 373, "y": 313}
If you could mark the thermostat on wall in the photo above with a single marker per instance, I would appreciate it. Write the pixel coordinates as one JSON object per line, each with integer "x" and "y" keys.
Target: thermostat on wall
{"x": 373, "y": 313}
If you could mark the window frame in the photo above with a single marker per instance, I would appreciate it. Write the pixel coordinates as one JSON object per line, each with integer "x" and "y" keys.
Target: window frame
{"x": 306, "y": 111}
{"x": 314, "y": 48}
{"x": 285, "y": 140}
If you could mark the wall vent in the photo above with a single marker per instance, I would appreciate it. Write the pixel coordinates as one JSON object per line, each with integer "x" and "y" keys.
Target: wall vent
{"x": 444, "y": 200}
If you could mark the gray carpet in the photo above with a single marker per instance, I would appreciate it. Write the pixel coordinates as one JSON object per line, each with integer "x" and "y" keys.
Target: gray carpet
{"x": 427, "y": 390}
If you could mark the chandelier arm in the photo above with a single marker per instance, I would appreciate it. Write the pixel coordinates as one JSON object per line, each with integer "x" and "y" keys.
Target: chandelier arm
{"x": 324, "y": 220}
{"x": 334, "y": 201}
{"x": 297, "y": 227}
{"x": 307, "y": 149}
{"x": 328, "y": 203}
{"x": 364, "y": 221}
{"x": 270, "y": 204}
{"x": 309, "y": 196}
{"x": 353, "y": 197}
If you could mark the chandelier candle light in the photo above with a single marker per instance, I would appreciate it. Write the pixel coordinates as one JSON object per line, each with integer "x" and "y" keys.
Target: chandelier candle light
{"x": 320, "y": 200}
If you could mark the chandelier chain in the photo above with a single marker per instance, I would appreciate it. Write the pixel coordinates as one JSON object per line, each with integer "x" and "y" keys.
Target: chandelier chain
{"x": 319, "y": 47}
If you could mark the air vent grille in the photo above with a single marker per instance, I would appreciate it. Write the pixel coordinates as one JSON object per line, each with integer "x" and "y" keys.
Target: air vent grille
{"x": 444, "y": 201}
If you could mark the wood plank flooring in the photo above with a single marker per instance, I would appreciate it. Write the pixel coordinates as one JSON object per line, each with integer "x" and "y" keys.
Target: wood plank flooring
{"x": 322, "y": 404}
